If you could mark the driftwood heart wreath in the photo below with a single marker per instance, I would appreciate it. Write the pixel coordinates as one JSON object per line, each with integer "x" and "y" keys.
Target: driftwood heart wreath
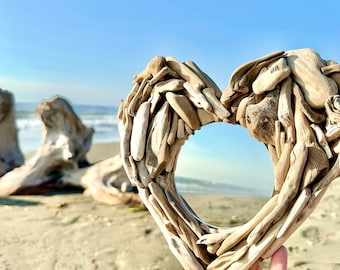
{"x": 287, "y": 100}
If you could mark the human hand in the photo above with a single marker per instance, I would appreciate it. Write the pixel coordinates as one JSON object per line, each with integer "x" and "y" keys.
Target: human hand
{"x": 278, "y": 261}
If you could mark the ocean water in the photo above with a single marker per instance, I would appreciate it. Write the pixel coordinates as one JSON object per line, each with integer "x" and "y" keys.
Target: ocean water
{"x": 103, "y": 119}
{"x": 205, "y": 186}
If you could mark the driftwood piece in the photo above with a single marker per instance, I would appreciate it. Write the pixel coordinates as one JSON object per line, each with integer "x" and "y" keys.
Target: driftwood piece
{"x": 287, "y": 100}
{"x": 306, "y": 67}
{"x": 10, "y": 153}
{"x": 61, "y": 161}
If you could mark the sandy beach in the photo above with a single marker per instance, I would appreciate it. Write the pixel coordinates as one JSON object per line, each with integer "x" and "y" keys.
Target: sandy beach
{"x": 71, "y": 231}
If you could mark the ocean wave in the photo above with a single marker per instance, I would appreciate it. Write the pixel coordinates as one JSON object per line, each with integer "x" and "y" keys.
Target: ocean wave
{"x": 102, "y": 119}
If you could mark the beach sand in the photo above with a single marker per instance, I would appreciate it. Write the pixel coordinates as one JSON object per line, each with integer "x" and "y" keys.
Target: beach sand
{"x": 71, "y": 231}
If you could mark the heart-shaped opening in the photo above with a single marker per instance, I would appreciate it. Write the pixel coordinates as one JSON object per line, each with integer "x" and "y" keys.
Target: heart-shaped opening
{"x": 224, "y": 175}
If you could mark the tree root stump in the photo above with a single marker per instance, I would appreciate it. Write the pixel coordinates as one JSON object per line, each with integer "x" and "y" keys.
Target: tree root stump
{"x": 61, "y": 161}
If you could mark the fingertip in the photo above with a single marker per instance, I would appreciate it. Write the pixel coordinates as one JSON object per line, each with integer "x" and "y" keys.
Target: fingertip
{"x": 279, "y": 259}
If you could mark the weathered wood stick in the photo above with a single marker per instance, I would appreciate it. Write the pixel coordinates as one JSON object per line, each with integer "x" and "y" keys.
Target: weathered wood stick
{"x": 282, "y": 166}
{"x": 196, "y": 95}
{"x": 278, "y": 145}
{"x": 162, "y": 73}
{"x": 285, "y": 112}
{"x": 243, "y": 231}
{"x": 173, "y": 130}
{"x": 138, "y": 134}
{"x": 322, "y": 140}
{"x": 295, "y": 211}
{"x": 239, "y": 73}
{"x": 269, "y": 77}
{"x": 151, "y": 69}
{"x": 217, "y": 106}
{"x": 157, "y": 154}
{"x": 287, "y": 194}
{"x": 155, "y": 101}
{"x": 253, "y": 254}
{"x": 206, "y": 117}
{"x": 204, "y": 77}
{"x": 316, "y": 87}
{"x": 171, "y": 85}
{"x": 326, "y": 70}
{"x": 184, "y": 72}
{"x": 174, "y": 151}
{"x": 181, "y": 130}
{"x": 136, "y": 100}
{"x": 143, "y": 173}
{"x": 312, "y": 115}
{"x": 184, "y": 108}
{"x": 241, "y": 109}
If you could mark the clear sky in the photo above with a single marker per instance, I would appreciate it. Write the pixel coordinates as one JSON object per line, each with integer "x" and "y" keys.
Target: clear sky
{"x": 88, "y": 51}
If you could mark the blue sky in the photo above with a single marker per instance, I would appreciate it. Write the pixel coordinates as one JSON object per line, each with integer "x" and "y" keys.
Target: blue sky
{"x": 88, "y": 51}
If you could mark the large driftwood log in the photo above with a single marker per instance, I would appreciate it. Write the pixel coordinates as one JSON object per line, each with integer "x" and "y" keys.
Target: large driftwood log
{"x": 61, "y": 161}
{"x": 287, "y": 100}
{"x": 10, "y": 153}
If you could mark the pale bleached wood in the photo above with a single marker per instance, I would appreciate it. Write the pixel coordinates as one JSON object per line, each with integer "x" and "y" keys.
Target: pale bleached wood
{"x": 294, "y": 134}
{"x": 332, "y": 70}
{"x": 138, "y": 134}
{"x": 174, "y": 151}
{"x": 332, "y": 107}
{"x": 10, "y": 154}
{"x": 285, "y": 112}
{"x": 316, "y": 87}
{"x": 287, "y": 194}
{"x": 157, "y": 155}
{"x": 269, "y": 77}
{"x": 173, "y": 130}
{"x": 241, "y": 110}
{"x": 237, "y": 83}
{"x": 233, "y": 239}
{"x": 273, "y": 154}
{"x": 261, "y": 117}
{"x": 295, "y": 211}
{"x": 188, "y": 130}
{"x": 282, "y": 166}
{"x": 125, "y": 104}
{"x": 322, "y": 140}
{"x": 137, "y": 98}
{"x": 326, "y": 70}
{"x": 181, "y": 130}
{"x": 143, "y": 173}
{"x": 206, "y": 117}
{"x": 171, "y": 85}
{"x": 317, "y": 162}
{"x": 205, "y": 78}
{"x": 184, "y": 72}
{"x": 312, "y": 115}
{"x": 278, "y": 132}
{"x": 216, "y": 105}
{"x": 105, "y": 181}
{"x": 184, "y": 108}
{"x": 152, "y": 68}
{"x": 253, "y": 254}
{"x": 197, "y": 97}
{"x": 161, "y": 74}
{"x": 61, "y": 161}
{"x": 154, "y": 99}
